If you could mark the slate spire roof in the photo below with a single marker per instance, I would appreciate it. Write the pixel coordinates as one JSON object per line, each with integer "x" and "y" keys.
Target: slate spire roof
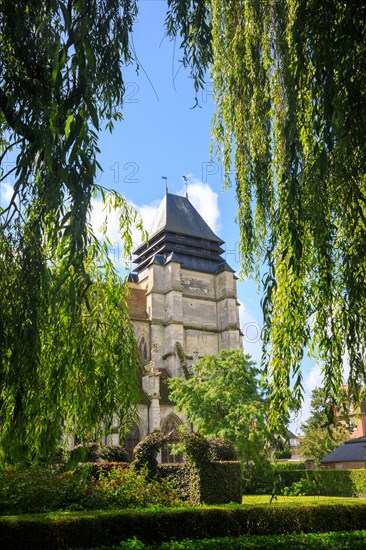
{"x": 179, "y": 233}
{"x": 176, "y": 214}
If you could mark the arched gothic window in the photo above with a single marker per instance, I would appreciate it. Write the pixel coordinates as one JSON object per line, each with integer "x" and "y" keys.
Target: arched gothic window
{"x": 170, "y": 426}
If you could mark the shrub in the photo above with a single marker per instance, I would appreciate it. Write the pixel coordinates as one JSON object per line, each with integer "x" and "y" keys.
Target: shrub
{"x": 33, "y": 490}
{"x": 94, "y": 470}
{"x": 324, "y": 482}
{"x": 300, "y": 488}
{"x": 113, "y": 453}
{"x": 280, "y": 466}
{"x": 217, "y": 483}
{"x": 85, "y": 452}
{"x": 211, "y": 482}
{"x": 60, "y": 456}
{"x": 266, "y": 477}
{"x": 259, "y": 478}
{"x": 126, "y": 488}
{"x": 107, "y": 528}
{"x": 196, "y": 448}
{"x": 36, "y": 489}
{"x": 180, "y": 473}
{"x": 146, "y": 451}
{"x": 221, "y": 449}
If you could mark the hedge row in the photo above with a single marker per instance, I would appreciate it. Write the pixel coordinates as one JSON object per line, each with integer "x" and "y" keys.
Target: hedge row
{"x": 264, "y": 478}
{"x": 180, "y": 473}
{"x": 87, "y": 530}
{"x": 280, "y": 466}
{"x": 208, "y": 483}
{"x": 345, "y": 483}
{"x": 310, "y": 541}
{"x": 216, "y": 483}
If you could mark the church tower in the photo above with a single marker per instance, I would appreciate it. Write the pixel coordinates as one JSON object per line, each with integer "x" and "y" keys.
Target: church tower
{"x": 182, "y": 302}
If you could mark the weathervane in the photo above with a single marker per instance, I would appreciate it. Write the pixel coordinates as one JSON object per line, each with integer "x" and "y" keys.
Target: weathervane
{"x": 186, "y": 182}
{"x": 166, "y": 183}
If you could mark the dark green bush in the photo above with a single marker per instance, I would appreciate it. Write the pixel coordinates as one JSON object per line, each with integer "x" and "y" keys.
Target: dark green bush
{"x": 80, "y": 530}
{"x": 32, "y": 490}
{"x": 258, "y": 478}
{"x": 266, "y": 477}
{"x": 179, "y": 473}
{"x": 311, "y": 541}
{"x": 221, "y": 449}
{"x": 303, "y": 487}
{"x": 280, "y": 466}
{"x": 327, "y": 482}
{"x": 126, "y": 488}
{"x": 113, "y": 453}
{"x": 94, "y": 470}
{"x": 60, "y": 456}
{"x": 335, "y": 482}
{"x": 36, "y": 489}
{"x": 196, "y": 448}
{"x": 146, "y": 452}
{"x": 93, "y": 452}
{"x": 85, "y": 452}
{"x": 216, "y": 483}
{"x": 211, "y": 482}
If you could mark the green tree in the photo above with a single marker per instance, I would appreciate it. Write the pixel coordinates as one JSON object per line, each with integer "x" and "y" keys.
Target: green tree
{"x": 222, "y": 398}
{"x": 321, "y": 437}
{"x": 289, "y": 82}
{"x": 67, "y": 352}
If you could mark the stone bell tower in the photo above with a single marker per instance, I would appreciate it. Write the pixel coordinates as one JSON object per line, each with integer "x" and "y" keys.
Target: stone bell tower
{"x": 182, "y": 302}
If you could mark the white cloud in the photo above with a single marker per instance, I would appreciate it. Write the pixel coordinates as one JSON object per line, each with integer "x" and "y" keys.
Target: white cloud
{"x": 251, "y": 330}
{"x": 6, "y": 193}
{"x": 99, "y": 217}
{"x": 313, "y": 379}
{"x": 147, "y": 213}
{"x": 205, "y": 200}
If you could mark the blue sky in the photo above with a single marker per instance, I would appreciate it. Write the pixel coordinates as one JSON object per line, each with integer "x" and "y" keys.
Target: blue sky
{"x": 162, "y": 135}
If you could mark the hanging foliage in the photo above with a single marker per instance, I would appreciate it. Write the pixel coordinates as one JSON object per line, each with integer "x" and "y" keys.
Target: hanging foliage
{"x": 67, "y": 352}
{"x": 289, "y": 80}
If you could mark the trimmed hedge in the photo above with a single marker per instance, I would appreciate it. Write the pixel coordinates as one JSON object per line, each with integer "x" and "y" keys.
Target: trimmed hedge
{"x": 281, "y": 466}
{"x": 87, "y": 530}
{"x": 93, "y": 452}
{"x": 311, "y": 541}
{"x": 216, "y": 483}
{"x": 221, "y": 449}
{"x": 258, "y": 478}
{"x": 200, "y": 479}
{"x": 209, "y": 483}
{"x": 343, "y": 483}
{"x": 179, "y": 472}
{"x": 265, "y": 478}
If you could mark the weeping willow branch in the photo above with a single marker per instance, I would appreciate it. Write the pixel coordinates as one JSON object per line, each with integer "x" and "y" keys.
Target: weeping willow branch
{"x": 290, "y": 90}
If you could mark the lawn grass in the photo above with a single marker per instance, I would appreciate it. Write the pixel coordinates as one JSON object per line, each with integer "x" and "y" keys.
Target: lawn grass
{"x": 279, "y": 500}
